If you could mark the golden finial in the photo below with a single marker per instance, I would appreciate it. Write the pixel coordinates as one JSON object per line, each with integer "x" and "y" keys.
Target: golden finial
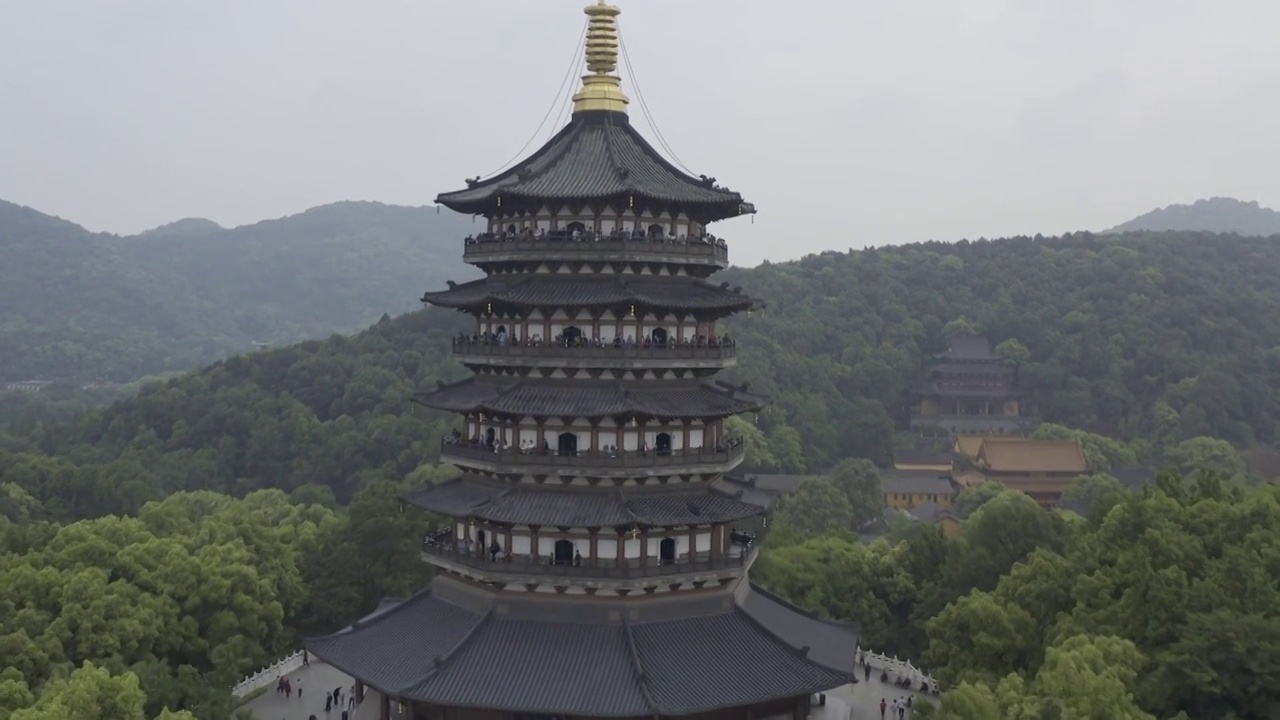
{"x": 601, "y": 90}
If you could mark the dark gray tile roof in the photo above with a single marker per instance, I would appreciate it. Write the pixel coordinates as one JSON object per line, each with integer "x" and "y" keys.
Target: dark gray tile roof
{"x": 393, "y": 649}
{"x": 701, "y": 663}
{"x": 555, "y": 398}
{"x": 539, "y": 667}
{"x": 831, "y": 644}
{"x": 558, "y": 290}
{"x": 686, "y": 659}
{"x": 784, "y": 484}
{"x": 915, "y": 483}
{"x": 519, "y": 503}
{"x": 597, "y": 156}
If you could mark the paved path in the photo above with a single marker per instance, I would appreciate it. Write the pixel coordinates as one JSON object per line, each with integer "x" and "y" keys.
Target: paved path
{"x": 860, "y": 701}
{"x": 316, "y": 679}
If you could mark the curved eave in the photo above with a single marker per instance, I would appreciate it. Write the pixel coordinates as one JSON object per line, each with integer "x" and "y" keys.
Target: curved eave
{"x": 598, "y": 158}
{"x": 668, "y": 401}
{"x": 542, "y": 291}
{"x": 680, "y": 662}
{"x": 512, "y": 503}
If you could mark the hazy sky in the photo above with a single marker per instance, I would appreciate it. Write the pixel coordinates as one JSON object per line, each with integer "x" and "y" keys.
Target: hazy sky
{"x": 848, "y": 124}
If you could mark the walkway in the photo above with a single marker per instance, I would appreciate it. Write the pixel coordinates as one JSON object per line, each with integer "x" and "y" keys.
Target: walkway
{"x": 316, "y": 679}
{"x": 860, "y": 701}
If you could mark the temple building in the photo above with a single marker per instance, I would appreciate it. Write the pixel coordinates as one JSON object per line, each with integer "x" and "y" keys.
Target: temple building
{"x": 1039, "y": 468}
{"x": 594, "y": 562}
{"x": 970, "y": 389}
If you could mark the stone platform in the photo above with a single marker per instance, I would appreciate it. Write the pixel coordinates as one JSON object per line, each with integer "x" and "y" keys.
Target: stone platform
{"x": 860, "y": 701}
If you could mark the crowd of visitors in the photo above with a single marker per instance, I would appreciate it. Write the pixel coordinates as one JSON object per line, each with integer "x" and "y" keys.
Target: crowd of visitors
{"x": 652, "y": 340}
{"x": 579, "y": 234}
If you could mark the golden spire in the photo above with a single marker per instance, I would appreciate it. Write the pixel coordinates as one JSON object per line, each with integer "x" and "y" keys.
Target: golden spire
{"x": 601, "y": 90}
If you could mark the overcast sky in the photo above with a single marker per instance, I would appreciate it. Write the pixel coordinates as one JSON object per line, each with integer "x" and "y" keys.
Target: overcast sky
{"x": 848, "y": 124}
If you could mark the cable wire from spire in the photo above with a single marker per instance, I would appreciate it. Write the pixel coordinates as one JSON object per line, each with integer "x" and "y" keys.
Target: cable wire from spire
{"x": 578, "y": 51}
{"x": 567, "y": 103}
{"x": 644, "y": 106}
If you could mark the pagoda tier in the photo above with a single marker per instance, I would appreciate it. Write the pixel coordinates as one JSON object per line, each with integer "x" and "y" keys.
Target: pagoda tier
{"x": 584, "y": 398}
{"x": 458, "y": 649}
{"x": 598, "y": 161}
{"x": 683, "y": 355}
{"x": 517, "y": 504}
{"x": 518, "y": 294}
{"x": 627, "y": 248}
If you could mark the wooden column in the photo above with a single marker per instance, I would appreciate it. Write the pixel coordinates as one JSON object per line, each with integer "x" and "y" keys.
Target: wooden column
{"x": 534, "y": 552}
{"x": 384, "y": 708}
{"x": 593, "y": 548}
{"x": 621, "y": 549}
{"x": 693, "y": 543}
{"x": 684, "y": 445}
{"x": 644, "y": 548}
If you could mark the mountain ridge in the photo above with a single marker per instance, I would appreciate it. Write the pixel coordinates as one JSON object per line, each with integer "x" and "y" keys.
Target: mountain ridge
{"x": 82, "y": 305}
{"x": 1215, "y": 214}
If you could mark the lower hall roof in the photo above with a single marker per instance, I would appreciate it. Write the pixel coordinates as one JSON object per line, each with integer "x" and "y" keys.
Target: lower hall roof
{"x": 528, "y": 504}
{"x": 457, "y": 645}
{"x": 541, "y": 290}
{"x": 576, "y": 398}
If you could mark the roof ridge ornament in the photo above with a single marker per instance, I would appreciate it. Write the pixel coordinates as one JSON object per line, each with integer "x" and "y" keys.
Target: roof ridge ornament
{"x": 601, "y": 88}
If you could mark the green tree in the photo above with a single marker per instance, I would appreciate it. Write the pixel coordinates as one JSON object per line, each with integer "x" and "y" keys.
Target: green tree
{"x": 859, "y": 481}
{"x": 817, "y": 507}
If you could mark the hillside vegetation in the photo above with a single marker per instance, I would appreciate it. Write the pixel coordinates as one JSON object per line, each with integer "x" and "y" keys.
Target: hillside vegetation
{"x": 1216, "y": 215}
{"x": 83, "y": 306}
{"x": 1159, "y": 340}
{"x": 1153, "y": 605}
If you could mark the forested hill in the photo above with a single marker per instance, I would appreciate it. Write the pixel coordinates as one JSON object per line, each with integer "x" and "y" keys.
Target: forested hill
{"x": 1156, "y": 338}
{"x": 1218, "y": 215}
{"x": 84, "y": 306}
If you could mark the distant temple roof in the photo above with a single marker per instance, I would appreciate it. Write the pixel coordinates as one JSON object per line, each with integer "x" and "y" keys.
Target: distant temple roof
{"x": 910, "y": 482}
{"x": 665, "y": 656}
{"x": 549, "y": 290}
{"x": 599, "y": 157}
{"x": 969, "y": 347}
{"x": 1020, "y": 455}
{"x": 583, "y": 398}
{"x": 507, "y": 502}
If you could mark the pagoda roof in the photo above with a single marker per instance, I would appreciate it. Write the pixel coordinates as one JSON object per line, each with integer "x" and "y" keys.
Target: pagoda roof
{"x": 981, "y": 367}
{"x": 525, "y": 504}
{"x": 969, "y": 347}
{"x": 455, "y": 646}
{"x": 598, "y": 156}
{"x": 1005, "y": 390}
{"x": 557, "y": 290}
{"x": 668, "y": 399}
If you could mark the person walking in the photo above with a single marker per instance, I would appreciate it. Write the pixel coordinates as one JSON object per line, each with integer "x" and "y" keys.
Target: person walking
{"x": 883, "y": 705}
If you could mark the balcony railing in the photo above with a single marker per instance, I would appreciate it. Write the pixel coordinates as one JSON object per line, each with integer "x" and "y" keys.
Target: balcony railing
{"x": 451, "y": 448}
{"x": 563, "y": 245}
{"x": 720, "y": 350}
{"x": 604, "y": 569}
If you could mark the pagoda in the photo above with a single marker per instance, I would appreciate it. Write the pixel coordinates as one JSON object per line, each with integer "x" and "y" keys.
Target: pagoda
{"x": 970, "y": 389}
{"x": 594, "y": 561}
